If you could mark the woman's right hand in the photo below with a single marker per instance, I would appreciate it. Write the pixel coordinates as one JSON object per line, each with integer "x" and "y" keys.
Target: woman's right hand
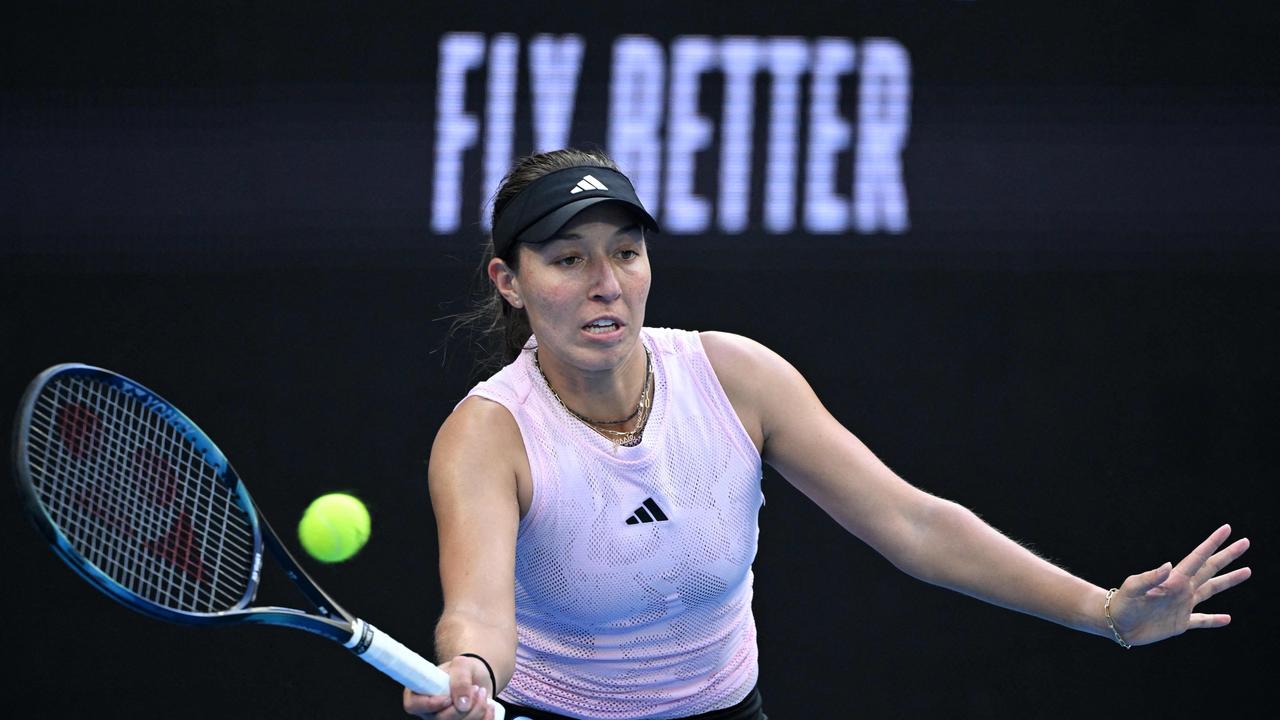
{"x": 467, "y": 699}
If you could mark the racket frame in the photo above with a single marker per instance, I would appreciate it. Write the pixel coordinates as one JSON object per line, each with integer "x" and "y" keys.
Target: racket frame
{"x": 334, "y": 622}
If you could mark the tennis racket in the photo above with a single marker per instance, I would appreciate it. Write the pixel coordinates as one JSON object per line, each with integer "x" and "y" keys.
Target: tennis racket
{"x": 142, "y": 504}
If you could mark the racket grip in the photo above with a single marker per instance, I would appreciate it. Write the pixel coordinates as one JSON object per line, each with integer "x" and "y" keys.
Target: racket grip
{"x": 402, "y": 664}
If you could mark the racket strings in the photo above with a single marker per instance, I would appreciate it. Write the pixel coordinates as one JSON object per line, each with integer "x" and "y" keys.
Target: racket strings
{"x": 136, "y": 498}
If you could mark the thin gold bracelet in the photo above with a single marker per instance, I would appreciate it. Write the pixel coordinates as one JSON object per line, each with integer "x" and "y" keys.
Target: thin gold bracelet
{"x": 1106, "y": 610}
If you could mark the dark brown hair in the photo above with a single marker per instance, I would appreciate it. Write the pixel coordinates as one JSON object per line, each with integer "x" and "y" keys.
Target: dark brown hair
{"x": 498, "y": 330}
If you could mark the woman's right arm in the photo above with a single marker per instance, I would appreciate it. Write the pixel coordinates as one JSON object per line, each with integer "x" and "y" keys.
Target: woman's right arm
{"x": 476, "y": 461}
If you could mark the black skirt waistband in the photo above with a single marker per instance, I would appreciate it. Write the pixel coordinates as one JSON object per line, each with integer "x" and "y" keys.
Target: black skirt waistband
{"x": 750, "y": 708}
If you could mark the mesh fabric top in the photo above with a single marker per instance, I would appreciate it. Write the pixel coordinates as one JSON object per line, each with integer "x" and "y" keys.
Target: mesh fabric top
{"x": 633, "y": 564}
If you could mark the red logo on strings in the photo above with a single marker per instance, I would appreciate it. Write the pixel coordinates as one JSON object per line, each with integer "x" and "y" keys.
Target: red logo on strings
{"x": 178, "y": 547}
{"x": 159, "y": 487}
{"x": 143, "y": 491}
{"x": 79, "y": 429}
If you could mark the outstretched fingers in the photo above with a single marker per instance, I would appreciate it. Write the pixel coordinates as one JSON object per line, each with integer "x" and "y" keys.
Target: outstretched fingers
{"x": 1215, "y": 585}
{"x": 1159, "y": 603}
{"x": 1192, "y": 564}
{"x": 1201, "y": 621}
{"x": 1207, "y": 580}
{"x": 1221, "y": 559}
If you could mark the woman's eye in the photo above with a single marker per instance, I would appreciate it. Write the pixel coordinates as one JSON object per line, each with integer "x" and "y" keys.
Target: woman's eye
{"x": 567, "y": 261}
{"x": 629, "y": 254}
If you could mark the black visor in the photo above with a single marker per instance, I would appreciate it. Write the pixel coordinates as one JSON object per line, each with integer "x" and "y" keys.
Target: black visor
{"x": 542, "y": 208}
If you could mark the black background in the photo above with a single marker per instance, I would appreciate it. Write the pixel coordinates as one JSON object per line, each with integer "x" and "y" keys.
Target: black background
{"x": 229, "y": 203}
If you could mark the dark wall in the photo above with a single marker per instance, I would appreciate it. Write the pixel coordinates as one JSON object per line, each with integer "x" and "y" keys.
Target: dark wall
{"x": 1075, "y": 337}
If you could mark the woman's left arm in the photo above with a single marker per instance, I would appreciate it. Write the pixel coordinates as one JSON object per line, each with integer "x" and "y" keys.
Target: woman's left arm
{"x": 939, "y": 541}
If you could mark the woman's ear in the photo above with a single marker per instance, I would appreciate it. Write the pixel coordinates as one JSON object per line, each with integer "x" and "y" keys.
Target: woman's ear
{"x": 505, "y": 280}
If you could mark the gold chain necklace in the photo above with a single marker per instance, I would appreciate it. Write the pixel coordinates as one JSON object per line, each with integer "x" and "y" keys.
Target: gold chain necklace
{"x": 621, "y": 437}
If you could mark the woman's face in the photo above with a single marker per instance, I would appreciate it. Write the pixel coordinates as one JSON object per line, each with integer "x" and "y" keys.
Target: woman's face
{"x": 585, "y": 289}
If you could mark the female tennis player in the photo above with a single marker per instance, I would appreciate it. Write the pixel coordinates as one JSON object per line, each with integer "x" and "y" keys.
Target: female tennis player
{"x": 597, "y": 497}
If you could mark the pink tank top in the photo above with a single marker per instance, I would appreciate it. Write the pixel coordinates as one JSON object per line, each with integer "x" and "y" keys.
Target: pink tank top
{"x": 633, "y": 564}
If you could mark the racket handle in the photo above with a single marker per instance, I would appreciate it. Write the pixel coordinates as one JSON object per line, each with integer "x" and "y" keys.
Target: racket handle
{"x": 402, "y": 664}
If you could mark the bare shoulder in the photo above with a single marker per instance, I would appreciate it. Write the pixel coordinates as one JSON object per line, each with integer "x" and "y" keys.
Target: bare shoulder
{"x": 732, "y": 352}
{"x": 734, "y": 359}
{"x": 478, "y": 420}
{"x": 480, "y": 445}
{"x": 756, "y": 379}
{"x": 763, "y": 385}
{"x": 740, "y": 360}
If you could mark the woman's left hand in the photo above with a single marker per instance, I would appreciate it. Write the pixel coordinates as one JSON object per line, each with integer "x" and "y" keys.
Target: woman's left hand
{"x": 1159, "y": 604}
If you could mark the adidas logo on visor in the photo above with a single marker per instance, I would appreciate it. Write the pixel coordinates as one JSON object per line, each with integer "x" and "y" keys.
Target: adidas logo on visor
{"x": 587, "y": 183}
{"x": 647, "y": 513}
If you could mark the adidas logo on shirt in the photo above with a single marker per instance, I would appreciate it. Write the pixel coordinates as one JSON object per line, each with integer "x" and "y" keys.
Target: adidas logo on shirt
{"x": 587, "y": 183}
{"x": 648, "y": 512}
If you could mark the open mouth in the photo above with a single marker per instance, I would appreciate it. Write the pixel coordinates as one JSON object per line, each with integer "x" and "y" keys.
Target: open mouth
{"x": 602, "y": 326}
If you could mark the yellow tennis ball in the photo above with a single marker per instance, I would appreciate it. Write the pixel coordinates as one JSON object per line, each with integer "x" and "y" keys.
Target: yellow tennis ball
{"x": 334, "y": 527}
